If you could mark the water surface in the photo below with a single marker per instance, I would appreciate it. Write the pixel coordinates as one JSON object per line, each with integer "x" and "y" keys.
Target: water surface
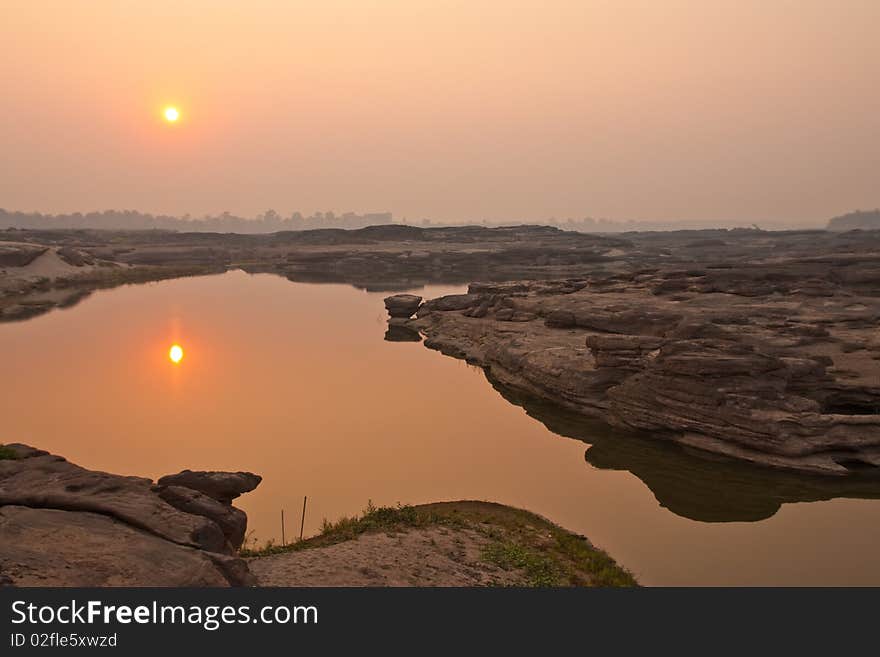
{"x": 295, "y": 382}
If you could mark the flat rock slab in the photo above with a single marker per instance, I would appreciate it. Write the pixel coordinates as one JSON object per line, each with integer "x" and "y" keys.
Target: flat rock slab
{"x": 49, "y": 547}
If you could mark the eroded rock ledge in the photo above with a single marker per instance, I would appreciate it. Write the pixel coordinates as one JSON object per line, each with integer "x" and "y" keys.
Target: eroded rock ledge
{"x": 64, "y": 525}
{"x": 775, "y": 367}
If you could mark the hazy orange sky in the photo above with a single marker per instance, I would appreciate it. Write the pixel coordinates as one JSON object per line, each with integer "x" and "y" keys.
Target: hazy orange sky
{"x": 653, "y": 109}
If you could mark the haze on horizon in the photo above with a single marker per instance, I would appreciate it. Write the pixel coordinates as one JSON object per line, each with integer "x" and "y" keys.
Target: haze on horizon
{"x": 674, "y": 110}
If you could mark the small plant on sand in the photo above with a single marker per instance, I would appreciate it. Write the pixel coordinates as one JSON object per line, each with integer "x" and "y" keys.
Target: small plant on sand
{"x": 603, "y": 569}
{"x": 249, "y": 542}
{"x": 539, "y": 569}
{"x": 373, "y": 518}
{"x": 6, "y": 453}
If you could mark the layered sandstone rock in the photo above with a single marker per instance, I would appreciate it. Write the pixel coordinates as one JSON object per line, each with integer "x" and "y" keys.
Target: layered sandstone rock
{"x": 777, "y": 364}
{"x": 64, "y": 525}
{"x": 222, "y": 486}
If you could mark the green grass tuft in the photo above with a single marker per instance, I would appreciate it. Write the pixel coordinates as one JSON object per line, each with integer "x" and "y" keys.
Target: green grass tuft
{"x": 539, "y": 569}
{"x": 373, "y": 518}
{"x": 602, "y": 568}
{"x": 6, "y": 453}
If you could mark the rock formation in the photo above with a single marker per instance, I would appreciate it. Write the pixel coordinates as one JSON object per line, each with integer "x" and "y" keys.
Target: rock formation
{"x": 773, "y": 360}
{"x": 402, "y": 305}
{"x": 19, "y": 255}
{"x": 64, "y": 525}
{"x": 222, "y": 486}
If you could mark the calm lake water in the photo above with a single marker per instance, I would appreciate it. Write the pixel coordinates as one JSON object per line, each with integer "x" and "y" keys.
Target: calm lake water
{"x": 295, "y": 382}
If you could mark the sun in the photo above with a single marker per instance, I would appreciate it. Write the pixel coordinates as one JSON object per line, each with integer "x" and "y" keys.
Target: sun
{"x": 171, "y": 114}
{"x": 175, "y": 354}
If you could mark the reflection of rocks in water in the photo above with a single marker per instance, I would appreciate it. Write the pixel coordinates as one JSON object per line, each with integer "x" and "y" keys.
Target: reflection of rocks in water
{"x": 691, "y": 484}
{"x": 398, "y": 333}
{"x": 35, "y": 307}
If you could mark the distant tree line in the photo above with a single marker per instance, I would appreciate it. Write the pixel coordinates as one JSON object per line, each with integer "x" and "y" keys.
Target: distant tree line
{"x": 268, "y": 222}
{"x": 602, "y": 225}
{"x": 271, "y": 222}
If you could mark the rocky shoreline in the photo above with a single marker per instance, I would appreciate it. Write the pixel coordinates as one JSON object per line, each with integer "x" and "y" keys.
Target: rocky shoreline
{"x": 772, "y": 361}
{"x": 41, "y": 270}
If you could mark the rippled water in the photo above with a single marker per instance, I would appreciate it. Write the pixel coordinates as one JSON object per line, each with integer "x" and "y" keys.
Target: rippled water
{"x": 295, "y": 382}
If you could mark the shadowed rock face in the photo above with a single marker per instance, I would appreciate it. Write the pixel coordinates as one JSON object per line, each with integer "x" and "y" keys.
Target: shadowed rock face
{"x": 118, "y": 530}
{"x": 231, "y": 521}
{"x": 690, "y": 483}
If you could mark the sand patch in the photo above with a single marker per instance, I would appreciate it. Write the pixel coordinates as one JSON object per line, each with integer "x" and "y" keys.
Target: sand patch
{"x": 48, "y": 265}
{"x": 433, "y": 556}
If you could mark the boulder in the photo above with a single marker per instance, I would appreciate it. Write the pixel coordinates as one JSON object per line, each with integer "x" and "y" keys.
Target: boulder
{"x": 402, "y": 305}
{"x": 222, "y": 486}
